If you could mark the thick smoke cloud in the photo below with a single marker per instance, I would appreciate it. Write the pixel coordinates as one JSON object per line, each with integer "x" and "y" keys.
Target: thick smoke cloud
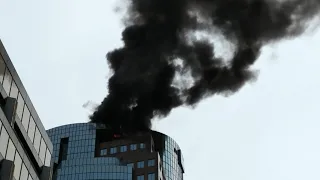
{"x": 159, "y": 32}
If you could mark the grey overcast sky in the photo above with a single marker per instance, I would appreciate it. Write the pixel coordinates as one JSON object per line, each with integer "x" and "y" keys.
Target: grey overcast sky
{"x": 269, "y": 130}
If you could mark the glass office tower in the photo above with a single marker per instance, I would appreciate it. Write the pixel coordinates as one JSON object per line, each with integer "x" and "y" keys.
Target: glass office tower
{"x": 90, "y": 151}
{"x": 25, "y": 148}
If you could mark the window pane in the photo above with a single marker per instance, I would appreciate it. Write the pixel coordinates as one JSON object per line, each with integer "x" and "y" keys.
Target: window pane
{"x": 25, "y": 117}
{"x": 4, "y": 137}
{"x": 10, "y": 151}
{"x": 37, "y": 138}
{"x": 151, "y": 162}
{"x": 142, "y": 145}
{"x": 131, "y": 165}
{"x": 113, "y": 150}
{"x": 43, "y": 149}
{"x": 20, "y": 106}
{"x": 123, "y": 148}
{"x": 48, "y": 158}
{"x": 24, "y": 172}
{"x": 7, "y": 81}
{"x": 30, "y": 178}
{"x": 140, "y": 164}
{"x": 151, "y": 176}
{"x": 17, "y": 166}
{"x": 103, "y": 152}
{"x": 133, "y": 147}
{"x": 2, "y": 69}
{"x": 31, "y": 129}
{"x": 64, "y": 145}
{"x": 141, "y": 177}
{"x": 14, "y": 90}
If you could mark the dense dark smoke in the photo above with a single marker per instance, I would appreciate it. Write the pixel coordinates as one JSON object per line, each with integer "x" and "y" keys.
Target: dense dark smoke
{"x": 159, "y": 32}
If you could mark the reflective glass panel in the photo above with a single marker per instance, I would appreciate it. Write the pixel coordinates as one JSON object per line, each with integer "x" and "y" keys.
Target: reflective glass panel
{"x": 17, "y": 166}
{"x": 103, "y": 152}
{"x": 151, "y": 162}
{"x": 2, "y": 69}
{"x": 140, "y": 164}
{"x": 123, "y": 148}
{"x": 142, "y": 145}
{"x": 20, "y": 106}
{"x": 7, "y": 81}
{"x": 43, "y": 149}
{"x": 25, "y": 117}
{"x": 24, "y": 172}
{"x": 30, "y": 178}
{"x": 113, "y": 150}
{"x": 31, "y": 128}
{"x": 14, "y": 90}
{"x": 133, "y": 147}
{"x": 140, "y": 177}
{"x": 10, "y": 151}
{"x": 37, "y": 138}
{"x": 4, "y": 137}
{"x": 151, "y": 176}
{"x": 48, "y": 158}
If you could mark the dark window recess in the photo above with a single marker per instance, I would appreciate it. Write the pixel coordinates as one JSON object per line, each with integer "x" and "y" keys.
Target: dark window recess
{"x": 178, "y": 152}
{"x": 2, "y": 102}
{"x": 63, "y": 149}
{"x": 26, "y": 147}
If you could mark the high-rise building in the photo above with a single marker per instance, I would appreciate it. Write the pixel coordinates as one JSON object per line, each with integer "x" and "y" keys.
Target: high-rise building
{"x": 25, "y": 147}
{"x": 89, "y": 151}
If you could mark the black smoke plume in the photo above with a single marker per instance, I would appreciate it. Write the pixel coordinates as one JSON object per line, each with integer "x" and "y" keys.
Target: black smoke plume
{"x": 160, "y": 32}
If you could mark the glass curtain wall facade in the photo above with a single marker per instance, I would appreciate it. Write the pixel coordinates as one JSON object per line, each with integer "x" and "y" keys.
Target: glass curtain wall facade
{"x": 170, "y": 153}
{"x": 74, "y": 155}
{"x": 87, "y": 151}
{"x": 23, "y": 139}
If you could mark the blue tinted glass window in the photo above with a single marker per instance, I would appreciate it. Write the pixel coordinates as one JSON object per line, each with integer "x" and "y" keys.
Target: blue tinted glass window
{"x": 103, "y": 152}
{"x": 140, "y": 164}
{"x": 142, "y": 145}
{"x": 130, "y": 164}
{"x": 123, "y": 148}
{"x": 133, "y": 147}
{"x": 141, "y": 177}
{"x": 113, "y": 150}
{"x": 151, "y": 176}
{"x": 151, "y": 162}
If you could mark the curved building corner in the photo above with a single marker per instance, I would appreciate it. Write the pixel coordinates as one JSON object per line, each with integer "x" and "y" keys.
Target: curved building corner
{"x": 89, "y": 151}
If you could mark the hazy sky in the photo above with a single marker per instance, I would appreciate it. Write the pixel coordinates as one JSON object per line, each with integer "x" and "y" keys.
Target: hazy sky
{"x": 269, "y": 130}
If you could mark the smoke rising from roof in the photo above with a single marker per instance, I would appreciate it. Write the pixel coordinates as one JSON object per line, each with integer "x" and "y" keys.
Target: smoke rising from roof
{"x": 160, "y": 42}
